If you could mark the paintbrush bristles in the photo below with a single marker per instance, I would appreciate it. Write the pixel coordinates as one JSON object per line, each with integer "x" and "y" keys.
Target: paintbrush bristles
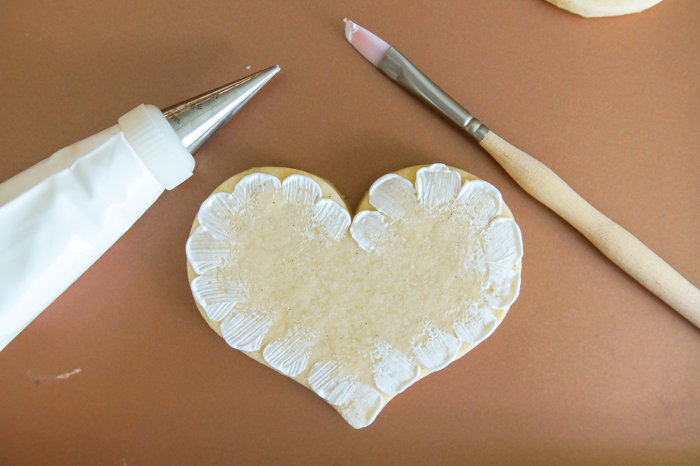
{"x": 370, "y": 46}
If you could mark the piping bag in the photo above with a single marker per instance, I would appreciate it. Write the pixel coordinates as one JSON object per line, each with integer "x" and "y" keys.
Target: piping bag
{"x": 59, "y": 216}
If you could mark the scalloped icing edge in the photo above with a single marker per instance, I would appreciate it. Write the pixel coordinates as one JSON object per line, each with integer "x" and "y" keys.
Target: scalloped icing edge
{"x": 328, "y": 191}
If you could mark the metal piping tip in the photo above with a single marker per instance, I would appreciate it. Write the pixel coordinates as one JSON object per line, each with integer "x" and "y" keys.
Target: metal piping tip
{"x": 197, "y": 119}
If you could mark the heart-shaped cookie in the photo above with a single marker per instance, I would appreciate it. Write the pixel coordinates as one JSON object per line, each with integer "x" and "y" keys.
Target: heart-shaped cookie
{"x": 357, "y": 309}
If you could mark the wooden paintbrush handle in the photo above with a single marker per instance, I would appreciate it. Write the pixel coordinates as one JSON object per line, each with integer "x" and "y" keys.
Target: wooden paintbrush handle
{"x": 630, "y": 254}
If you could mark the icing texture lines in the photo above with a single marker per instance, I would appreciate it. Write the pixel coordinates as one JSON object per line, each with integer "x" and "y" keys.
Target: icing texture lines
{"x": 357, "y": 308}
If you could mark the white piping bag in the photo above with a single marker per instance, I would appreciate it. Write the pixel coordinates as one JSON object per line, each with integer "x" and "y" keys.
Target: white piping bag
{"x": 59, "y": 216}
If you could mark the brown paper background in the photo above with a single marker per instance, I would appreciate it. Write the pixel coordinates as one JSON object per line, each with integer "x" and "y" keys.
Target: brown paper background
{"x": 588, "y": 367}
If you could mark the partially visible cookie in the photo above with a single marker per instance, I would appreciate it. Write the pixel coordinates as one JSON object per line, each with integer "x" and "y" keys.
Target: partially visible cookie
{"x": 597, "y": 8}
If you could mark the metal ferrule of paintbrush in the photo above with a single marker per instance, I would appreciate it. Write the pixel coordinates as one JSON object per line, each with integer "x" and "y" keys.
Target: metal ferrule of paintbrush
{"x": 400, "y": 69}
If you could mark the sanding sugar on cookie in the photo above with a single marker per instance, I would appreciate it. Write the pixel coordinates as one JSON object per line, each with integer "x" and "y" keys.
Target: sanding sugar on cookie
{"x": 356, "y": 309}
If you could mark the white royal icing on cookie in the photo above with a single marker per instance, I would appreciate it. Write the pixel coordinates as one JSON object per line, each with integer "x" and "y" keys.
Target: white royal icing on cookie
{"x": 435, "y": 349}
{"x": 437, "y": 186}
{"x": 245, "y": 332}
{"x": 290, "y": 354}
{"x": 332, "y": 218}
{"x": 475, "y": 325}
{"x": 300, "y": 190}
{"x": 480, "y": 200}
{"x": 504, "y": 246}
{"x": 357, "y": 402}
{"x": 367, "y": 229}
{"x": 207, "y": 252}
{"x": 393, "y": 372}
{"x": 290, "y": 296}
{"x": 393, "y": 195}
{"x": 217, "y": 296}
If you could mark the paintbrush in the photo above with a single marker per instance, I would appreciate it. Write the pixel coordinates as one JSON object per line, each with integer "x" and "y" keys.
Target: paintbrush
{"x": 619, "y": 245}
